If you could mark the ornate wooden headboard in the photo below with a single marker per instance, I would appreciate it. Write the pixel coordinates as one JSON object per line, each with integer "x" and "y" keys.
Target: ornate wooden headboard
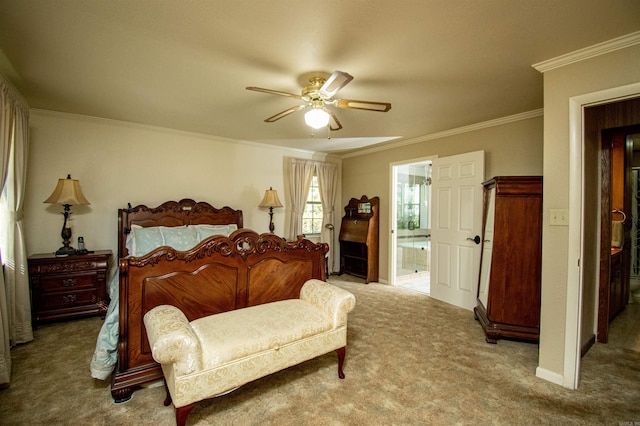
{"x": 173, "y": 213}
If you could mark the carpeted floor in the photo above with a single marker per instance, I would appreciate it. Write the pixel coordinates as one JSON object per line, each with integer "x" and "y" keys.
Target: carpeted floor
{"x": 411, "y": 360}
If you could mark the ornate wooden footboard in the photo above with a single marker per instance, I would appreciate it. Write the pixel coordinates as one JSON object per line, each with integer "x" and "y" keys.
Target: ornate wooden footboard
{"x": 218, "y": 275}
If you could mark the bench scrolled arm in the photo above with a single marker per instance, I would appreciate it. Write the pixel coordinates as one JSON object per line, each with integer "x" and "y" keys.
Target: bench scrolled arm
{"x": 336, "y": 302}
{"x": 172, "y": 339}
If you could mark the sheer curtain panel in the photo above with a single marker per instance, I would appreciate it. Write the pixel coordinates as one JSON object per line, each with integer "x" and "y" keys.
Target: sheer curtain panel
{"x": 328, "y": 181}
{"x": 15, "y": 305}
{"x": 299, "y": 183}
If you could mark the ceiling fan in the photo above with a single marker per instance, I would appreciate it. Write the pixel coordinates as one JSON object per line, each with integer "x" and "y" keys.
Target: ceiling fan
{"x": 318, "y": 95}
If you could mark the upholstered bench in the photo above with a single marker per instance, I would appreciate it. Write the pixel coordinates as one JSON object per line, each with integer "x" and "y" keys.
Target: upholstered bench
{"x": 213, "y": 355}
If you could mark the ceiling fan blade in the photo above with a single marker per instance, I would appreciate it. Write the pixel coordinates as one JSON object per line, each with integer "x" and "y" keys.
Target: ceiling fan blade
{"x": 335, "y": 120}
{"x": 284, "y": 113}
{"x": 366, "y": 105}
{"x": 335, "y": 82}
{"x": 274, "y": 92}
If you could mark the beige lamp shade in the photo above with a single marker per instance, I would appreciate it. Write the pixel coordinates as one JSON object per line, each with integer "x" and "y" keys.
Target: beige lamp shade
{"x": 67, "y": 191}
{"x": 270, "y": 199}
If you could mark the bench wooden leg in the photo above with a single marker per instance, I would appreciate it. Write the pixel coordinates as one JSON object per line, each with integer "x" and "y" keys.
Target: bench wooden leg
{"x": 167, "y": 398}
{"x": 182, "y": 413}
{"x": 341, "y": 353}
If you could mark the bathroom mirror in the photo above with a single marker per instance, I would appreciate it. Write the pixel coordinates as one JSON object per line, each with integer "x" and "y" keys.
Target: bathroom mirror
{"x": 487, "y": 245}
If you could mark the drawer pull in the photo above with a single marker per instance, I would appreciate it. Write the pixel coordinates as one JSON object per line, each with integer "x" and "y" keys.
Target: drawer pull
{"x": 69, "y": 298}
{"x": 69, "y": 282}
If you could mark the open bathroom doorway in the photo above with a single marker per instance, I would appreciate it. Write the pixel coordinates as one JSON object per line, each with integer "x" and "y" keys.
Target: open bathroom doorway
{"x": 634, "y": 293}
{"x": 634, "y": 290}
{"x": 411, "y": 225}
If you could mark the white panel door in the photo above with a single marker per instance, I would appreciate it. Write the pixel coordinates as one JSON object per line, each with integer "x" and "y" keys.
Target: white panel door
{"x": 456, "y": 221}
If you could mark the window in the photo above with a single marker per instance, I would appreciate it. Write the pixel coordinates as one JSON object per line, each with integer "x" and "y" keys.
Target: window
{"x": 312, "y": 216}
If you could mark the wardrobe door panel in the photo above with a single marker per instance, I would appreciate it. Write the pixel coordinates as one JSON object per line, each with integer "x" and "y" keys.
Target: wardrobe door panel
{"x": 510, "y": 272}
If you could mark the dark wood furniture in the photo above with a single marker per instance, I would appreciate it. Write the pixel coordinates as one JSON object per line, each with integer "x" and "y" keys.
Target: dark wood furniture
{"x": 68, "y": 287}
{"x": 218, "y": 275}
{"x": 619, "y": 293}
{"x": 359, "y": 249}
{"x": 510, "y": 272}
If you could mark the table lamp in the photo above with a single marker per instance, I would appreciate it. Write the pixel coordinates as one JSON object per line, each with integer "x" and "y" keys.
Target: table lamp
{"x": 67, "y": 193}
{"x": 270, "y": 200}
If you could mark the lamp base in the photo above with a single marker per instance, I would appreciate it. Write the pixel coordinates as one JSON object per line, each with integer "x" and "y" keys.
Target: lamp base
{"x": 272, "y": 227}
{"x": 65, "y": 251}
{"x": 66, "y": 248}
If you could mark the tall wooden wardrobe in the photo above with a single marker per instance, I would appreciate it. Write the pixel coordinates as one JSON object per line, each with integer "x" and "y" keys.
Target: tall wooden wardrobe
{"x": 510, "y": 268}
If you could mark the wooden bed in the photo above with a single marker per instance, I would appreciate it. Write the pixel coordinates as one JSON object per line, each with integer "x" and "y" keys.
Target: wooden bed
{"x": 217, "y": 275}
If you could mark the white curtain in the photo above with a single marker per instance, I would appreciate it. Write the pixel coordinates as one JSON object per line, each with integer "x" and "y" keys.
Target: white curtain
{"x": 7, "y": 112}
{"x": 328, "y": 182}
{"x": 15, "y": 305}
{"x": 301, "y": 173}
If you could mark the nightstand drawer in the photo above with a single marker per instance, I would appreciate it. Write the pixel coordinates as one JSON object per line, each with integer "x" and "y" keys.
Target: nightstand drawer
{"x": 53, "y": 283}
{"x": 67, "y": 299}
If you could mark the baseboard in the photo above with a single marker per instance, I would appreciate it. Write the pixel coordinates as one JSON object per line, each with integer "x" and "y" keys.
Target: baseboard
{"x": 550, "y": 376}
{"x": 587, "y": 346}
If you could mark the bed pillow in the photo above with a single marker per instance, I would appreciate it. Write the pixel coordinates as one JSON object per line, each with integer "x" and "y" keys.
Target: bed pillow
{"x": 180, "y": 237}
{"x": 206, "y": 231}
{"x": 141, "y": 240}
{"x": 144, "y": 240}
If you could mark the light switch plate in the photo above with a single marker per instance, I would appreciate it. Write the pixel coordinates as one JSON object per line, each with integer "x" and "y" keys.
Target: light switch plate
{"x": 558, "y": 217}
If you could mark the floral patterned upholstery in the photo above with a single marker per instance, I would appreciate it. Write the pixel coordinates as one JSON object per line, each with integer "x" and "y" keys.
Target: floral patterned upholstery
{"x": 173, "y": 339}
{"x": 215, "y": 354}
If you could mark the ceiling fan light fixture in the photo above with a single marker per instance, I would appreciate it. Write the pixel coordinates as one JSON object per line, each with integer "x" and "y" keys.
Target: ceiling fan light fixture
{"x": 316, "y": 118}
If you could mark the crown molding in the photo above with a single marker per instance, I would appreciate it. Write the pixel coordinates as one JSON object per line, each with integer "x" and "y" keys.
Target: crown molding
{"x": 459, "y": 130}
{"x": 149, "y": 127}
{"x": 589, "y": 52}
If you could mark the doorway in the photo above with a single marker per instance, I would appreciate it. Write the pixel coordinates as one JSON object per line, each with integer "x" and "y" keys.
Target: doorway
{"x": 634, "y": 279}
{"x": 616, "y": 223}
{"x": 411, "y": 225}
{"x": 584, "y": 214}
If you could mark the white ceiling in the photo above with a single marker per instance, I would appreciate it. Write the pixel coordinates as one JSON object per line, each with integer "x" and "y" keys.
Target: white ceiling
{"x": 180, "y": 64}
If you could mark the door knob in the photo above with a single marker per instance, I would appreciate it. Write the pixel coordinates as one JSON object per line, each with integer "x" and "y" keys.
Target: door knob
{"x": 475, "y": 239}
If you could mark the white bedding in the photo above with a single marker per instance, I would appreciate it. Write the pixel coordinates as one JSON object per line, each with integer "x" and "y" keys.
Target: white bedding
{"x": 139, "y": 242}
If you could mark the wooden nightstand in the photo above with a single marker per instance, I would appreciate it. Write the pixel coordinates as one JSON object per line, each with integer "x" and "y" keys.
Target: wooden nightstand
{"x": 68, "y": 287}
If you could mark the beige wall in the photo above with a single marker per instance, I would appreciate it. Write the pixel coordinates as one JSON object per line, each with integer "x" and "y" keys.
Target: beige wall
{"x": 615, "y": 69}
{"x": 510, "y": 149}
{"x": 119, "y": 163}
